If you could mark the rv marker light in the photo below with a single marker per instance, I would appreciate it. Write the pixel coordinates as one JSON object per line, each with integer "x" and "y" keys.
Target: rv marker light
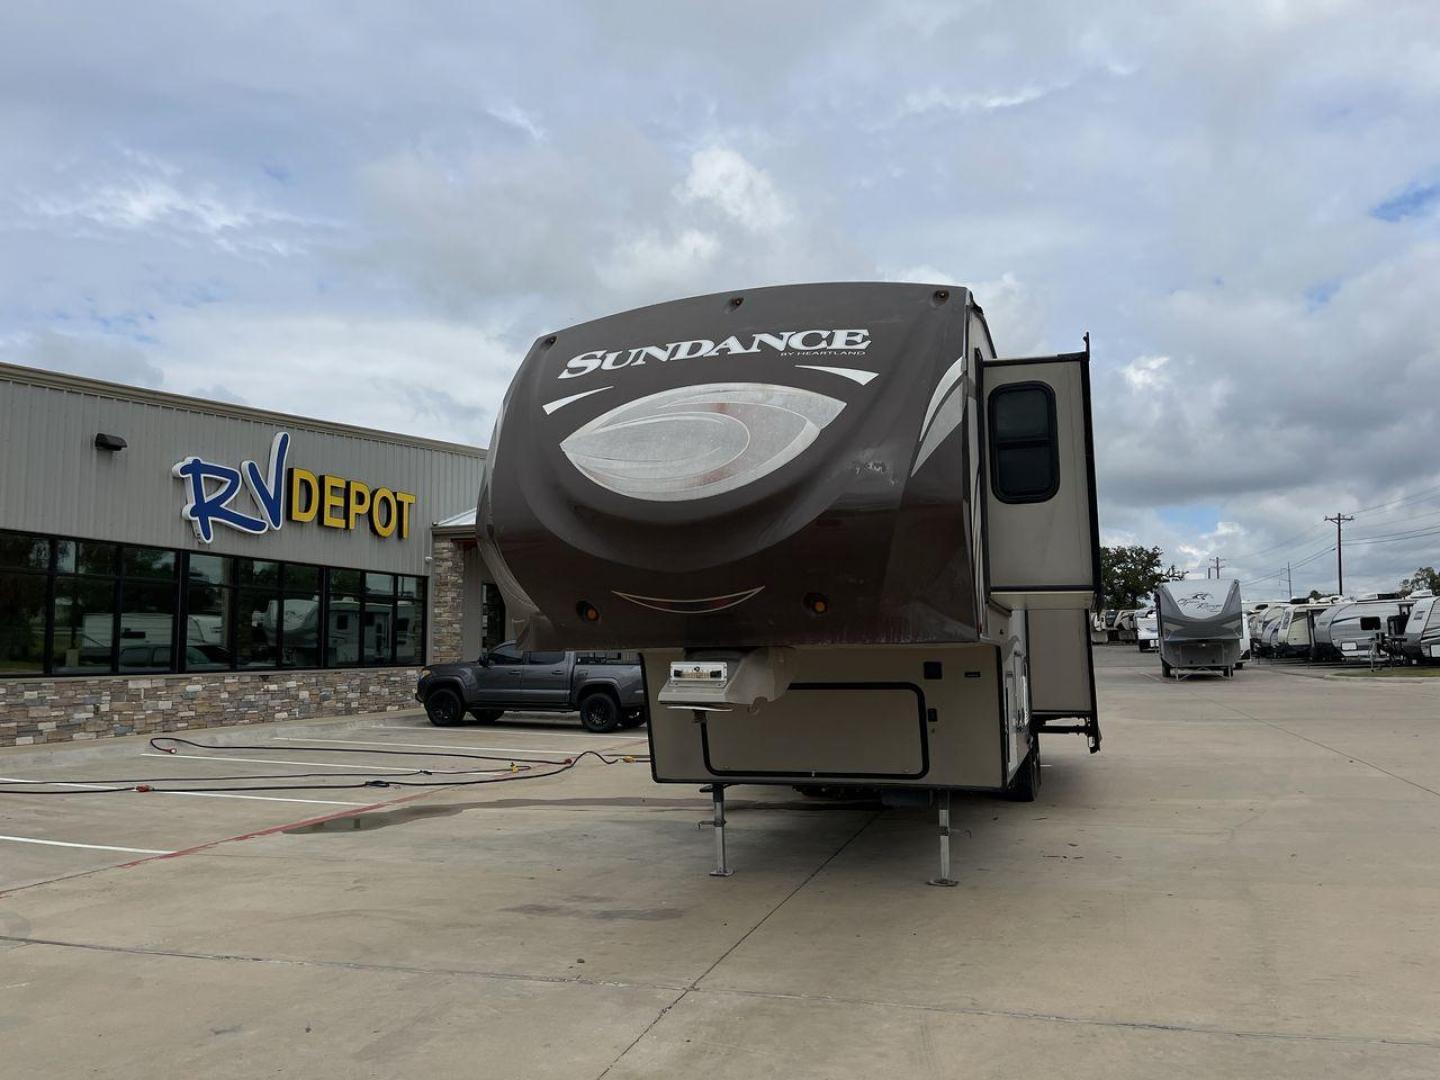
{"x": 587, "y": 611}
{"x": 816, "y": 603}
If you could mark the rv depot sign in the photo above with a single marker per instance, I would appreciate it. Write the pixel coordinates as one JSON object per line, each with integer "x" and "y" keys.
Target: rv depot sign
{"x": 279, "y": 494}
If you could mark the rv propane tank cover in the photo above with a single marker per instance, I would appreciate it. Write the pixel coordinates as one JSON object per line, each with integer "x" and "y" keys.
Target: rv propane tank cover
{"x": 785, "y": 465}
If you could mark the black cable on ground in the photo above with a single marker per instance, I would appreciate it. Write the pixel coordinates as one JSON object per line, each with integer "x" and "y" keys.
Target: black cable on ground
{"x": 612, "y": 760}
{"x": 518, "y": 768}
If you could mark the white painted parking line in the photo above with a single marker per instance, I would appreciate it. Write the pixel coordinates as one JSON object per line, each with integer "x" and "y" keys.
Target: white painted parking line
{"x": 448, "y": 746}
{"x": 90, "y": 847}
{"x": 192, "y": 794}
{"x": 267, "y": 761}
{"x": 510, "y": 731}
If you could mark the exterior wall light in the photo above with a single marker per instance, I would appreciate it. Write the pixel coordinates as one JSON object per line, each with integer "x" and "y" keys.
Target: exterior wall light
{"x": 112, "y": 443}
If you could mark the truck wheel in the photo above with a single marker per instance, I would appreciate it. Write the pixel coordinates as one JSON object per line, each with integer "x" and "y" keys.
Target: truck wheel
{"x": 633, "y": 719}
{"x": 599, "y": 713}
{"x": 444, "y": 707}
{"x": 1026, "y": 784}
{"x": 487, "y": 716}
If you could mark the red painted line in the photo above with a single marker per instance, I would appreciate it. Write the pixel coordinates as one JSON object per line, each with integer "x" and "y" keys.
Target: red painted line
{"x": 275, "y": 829}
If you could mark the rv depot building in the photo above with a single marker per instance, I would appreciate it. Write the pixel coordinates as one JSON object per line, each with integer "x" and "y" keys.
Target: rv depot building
{"x": 170, "y": 563}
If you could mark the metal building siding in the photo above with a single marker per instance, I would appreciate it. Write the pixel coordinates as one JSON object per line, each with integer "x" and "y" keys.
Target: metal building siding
{"x": 52, "y": 479}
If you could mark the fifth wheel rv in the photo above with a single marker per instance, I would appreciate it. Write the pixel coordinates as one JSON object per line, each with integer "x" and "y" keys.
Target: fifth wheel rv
{"x": 1201, "y": 623}
{"x": 852, "y": 545}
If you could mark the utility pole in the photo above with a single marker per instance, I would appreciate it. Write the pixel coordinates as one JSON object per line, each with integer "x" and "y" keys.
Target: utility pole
{"x": 1289, "y": 583}
{"x": 1217, "y": 568}
{"x": 1339, "y": 519}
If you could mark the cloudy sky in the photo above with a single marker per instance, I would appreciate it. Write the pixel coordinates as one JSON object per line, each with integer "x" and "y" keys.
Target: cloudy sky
{"x": 366, "y": 212}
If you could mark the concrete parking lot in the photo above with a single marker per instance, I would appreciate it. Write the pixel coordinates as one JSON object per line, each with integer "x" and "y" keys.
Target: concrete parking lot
{"x": 1244, "y": 883}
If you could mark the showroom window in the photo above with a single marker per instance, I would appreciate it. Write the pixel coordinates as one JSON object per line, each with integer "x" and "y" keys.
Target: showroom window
{"x": 149, "y": 601}
{"x": 80, "y": 607}
{"x": 24, "y": 586}
{"x": 85, "y": 607}
{"x": 209, "y": 613}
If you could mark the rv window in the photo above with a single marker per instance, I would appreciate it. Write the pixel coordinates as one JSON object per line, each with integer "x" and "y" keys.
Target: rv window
{"x": 1370, "y": 622}
{"x": 1024, "y": 451}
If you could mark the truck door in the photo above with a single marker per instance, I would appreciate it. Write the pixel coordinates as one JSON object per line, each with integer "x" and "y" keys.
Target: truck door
{"x": 1042, "y": 547}
{"x": 547, "y": 679}
{"x": 502, "y": 680}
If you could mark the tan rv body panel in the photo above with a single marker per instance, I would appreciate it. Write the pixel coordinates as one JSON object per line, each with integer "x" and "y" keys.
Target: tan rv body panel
{"x": 875, "y": 719}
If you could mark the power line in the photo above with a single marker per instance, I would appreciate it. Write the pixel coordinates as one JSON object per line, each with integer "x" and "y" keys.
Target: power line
{"x": 1399, "y": 501}
{"x": 1275, "y": 574}
{"x": 1395, "y": 538}
{"x": 1272, "y": 547}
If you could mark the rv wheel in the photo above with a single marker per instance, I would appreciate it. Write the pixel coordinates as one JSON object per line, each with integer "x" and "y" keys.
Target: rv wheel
{"x": 1165, "y": 669}
{"x": 1239, "y": 665}
{"x": 1026, "y": 784}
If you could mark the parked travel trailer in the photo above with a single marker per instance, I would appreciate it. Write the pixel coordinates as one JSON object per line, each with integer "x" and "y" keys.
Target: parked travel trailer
{"x": 1294, "y": 630}
{"x": 1147, "y": 629}
{"x": 852, "y": 545}
{"x": 1098, "y": 634}
{"x": 1200, "y": 624}
{"x": 1125, "y": 625}
{"x": 1254, "y": 615}
{"x": 1345, "y": 630}
{"x": 1265, "y": 622}
{"x": 1421, "y": 640}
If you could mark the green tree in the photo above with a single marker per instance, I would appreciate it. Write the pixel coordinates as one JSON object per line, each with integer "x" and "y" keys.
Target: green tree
{"x": 1427, "y": 577}
{"x": 1131, "y": 574}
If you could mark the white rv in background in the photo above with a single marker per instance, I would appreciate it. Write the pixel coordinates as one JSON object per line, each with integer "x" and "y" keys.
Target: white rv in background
{"x": 1294, "y": 633}
{"x": 1345, "y": 630}
{"x": 1147, "y": 629}
{"x": 1421, "y": 640}
{"x": 1254, "y": 613}
{"x": 1265, "y": 622}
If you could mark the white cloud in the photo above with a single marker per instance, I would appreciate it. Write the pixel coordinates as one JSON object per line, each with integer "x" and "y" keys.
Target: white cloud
{"x": 394, "y": 374}
{"x": 653, "y": 262}
{"x": 935, "y": 97}
{"x": 745, "y": 194}
{"x": 144, "y": 194}
{"x": 1145, "y": 372}
{"x": 518, "y": 118}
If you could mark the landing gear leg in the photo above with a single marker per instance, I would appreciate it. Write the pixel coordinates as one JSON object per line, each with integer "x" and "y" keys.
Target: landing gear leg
{"x": 944, "y": 878}
{"x": 717, "y": 797}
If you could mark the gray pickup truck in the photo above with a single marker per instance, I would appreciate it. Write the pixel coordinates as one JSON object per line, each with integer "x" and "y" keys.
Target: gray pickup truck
{"x": 606, "y": 688}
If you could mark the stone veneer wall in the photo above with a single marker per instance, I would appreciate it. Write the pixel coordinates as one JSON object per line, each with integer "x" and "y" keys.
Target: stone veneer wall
{"x": 447, "y": 601}
{"x": 60, "y": 710}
